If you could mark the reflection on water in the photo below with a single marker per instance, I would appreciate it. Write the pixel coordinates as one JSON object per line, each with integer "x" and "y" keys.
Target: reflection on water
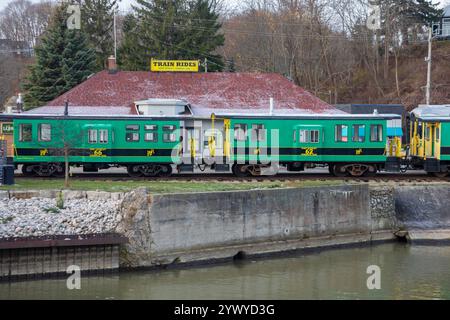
{"x": 408, "y": 272}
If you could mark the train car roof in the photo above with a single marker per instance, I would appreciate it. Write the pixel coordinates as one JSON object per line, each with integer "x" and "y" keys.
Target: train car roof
{"x": 264, "y": 116}
{"x": 432, "y": 113}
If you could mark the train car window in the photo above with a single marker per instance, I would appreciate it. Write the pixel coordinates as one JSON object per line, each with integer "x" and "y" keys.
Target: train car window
{"x": 92, "y": 136}
{"x": 258, "y": 132}
{"x": 103, "y": 135}
{"x": 25, "y": 132}
{"x": 304, "y": 136}
{"x": 151, "y": 137}
{"x": 168, "y": 135}
{"x": 359, "y": 133}
{"x": 132, "y": 137}
{"x": 341, "y": 133}
{"x": 150, "y": 127}
{"x": 45, "y": 132}
{"x": 427, "y": 133}
{"x": 315, "y": 136}
{"x": 132, "y": 127}
{"x": 294, "y": 135}
{"x": 240, "y": 132}
{"x": 419, "y": 129}
{"x": 376, "y": 133}
{"x": 438, "y": 134}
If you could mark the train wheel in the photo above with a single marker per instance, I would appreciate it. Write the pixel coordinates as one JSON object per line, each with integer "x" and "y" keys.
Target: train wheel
{"x": 254, "y": 170}
{"x": 27, "y": 170}
{"x": 165, "y": 170}
{"x": 440, "y": 174}
{"x": 134, "y": 171}
{"x": 371, "y": 171}
{"x": 340, "y": 171}
{"x": 330, "y": 168}
{"x": 59, "y": 170}
{"x": 358, "y": 170}
{"x": 46, "y": 169}
{"x": 240, "y": 170}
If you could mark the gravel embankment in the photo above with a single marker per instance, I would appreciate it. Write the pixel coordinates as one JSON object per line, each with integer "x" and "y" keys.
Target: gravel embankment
{"x": 40, "y": 217}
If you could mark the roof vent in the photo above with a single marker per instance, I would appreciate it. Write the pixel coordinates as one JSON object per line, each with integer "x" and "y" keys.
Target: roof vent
{"x": 375, "y": 112}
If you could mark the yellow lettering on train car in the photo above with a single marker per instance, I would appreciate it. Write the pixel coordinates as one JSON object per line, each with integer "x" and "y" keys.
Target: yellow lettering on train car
{"x": 359, "y": 152}
{"x": 309, "y": 152}
{"x": 97, "y": 152}
{"x": 150, "y": 153}
{"x": 256, "y": 151}
{"x": 43, "y": 152}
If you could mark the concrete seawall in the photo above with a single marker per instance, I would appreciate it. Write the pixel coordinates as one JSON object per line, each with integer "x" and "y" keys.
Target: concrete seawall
{"x": 182, "y": 228}
{"x": 165, "y": 229}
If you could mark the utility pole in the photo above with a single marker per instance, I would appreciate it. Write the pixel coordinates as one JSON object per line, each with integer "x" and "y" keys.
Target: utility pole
{"x": 428, "y": 60}
{"x": 206, "y": 65}
{"x": 115, "y": 35}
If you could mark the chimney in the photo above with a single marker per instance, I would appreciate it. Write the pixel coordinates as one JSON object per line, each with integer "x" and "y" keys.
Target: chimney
{"x": 112, "y": 66}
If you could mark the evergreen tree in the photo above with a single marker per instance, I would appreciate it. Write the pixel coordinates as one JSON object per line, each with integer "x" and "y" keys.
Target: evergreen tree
{"x": 131, "y": 54}
{"x": 78, "y": 59}
{"x": 172, "y": 29}
{"x": 44, "y": 81}
{"x": 97, "y": 23}
{"x": 63, "y": 60}
{"x": 203, "y": 33}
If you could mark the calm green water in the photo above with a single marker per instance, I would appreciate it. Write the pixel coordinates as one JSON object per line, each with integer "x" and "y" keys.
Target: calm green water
{"x": 407, "y": 272}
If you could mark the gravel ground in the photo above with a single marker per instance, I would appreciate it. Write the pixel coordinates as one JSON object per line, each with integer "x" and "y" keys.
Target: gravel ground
{"x": 40, "y": 216}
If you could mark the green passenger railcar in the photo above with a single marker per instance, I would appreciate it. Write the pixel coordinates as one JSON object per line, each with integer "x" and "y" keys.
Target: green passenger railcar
{"x": 43, "y": 143}
{"x": 430, "y": 139}
{"x": 150, "y": 146}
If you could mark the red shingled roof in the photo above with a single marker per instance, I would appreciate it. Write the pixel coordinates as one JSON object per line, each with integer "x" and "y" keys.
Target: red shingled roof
{"x": 202, "y": 90}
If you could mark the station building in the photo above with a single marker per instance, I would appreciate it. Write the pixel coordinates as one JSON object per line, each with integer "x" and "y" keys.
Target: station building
{"x": 112, "y": 92}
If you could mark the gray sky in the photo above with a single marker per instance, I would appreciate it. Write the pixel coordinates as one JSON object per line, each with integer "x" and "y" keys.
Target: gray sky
{"x": 125, "y": 4}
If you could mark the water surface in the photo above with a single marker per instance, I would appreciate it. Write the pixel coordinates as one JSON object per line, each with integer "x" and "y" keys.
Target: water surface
{"x": 407, "y": 272}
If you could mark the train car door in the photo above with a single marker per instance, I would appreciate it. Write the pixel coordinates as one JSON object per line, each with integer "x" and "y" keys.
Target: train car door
{"x": 430, "y": 140}
{"x": 192, "y": 145}
{"x": 309, "y": 142}
{"x": 98, "y": 142}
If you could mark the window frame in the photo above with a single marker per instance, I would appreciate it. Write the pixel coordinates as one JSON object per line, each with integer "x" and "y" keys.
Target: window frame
{"x": 259, "y": 132}
{"x": 341, "y": 126}
{"x": 100, "y": 140}
{"x": 304, "y": 136}
{"x": 132, "y": 133}
{"x": 151, "y": 129}
{"x": 379, "y": 133}
{"x": 40, "y": 136}
{"x": 169, "y": 130}
{"x": 311, "y": 135}
{"x": 21, "y": 135}
{"x": 155, "y": 136}
{"x": 90, "y": 141}
{"x": 355, "y": 136}
{"x": 242, "y": 127}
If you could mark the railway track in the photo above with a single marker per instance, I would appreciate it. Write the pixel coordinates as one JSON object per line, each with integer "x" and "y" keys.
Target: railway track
{"x": 282, "y": 177}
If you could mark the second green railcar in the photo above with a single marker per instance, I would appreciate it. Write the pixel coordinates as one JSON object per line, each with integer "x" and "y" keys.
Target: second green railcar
{"x": 153, "y": 146}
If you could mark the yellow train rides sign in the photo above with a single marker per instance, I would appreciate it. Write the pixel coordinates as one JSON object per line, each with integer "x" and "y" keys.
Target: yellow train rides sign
{"x": 174, "y": 65}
